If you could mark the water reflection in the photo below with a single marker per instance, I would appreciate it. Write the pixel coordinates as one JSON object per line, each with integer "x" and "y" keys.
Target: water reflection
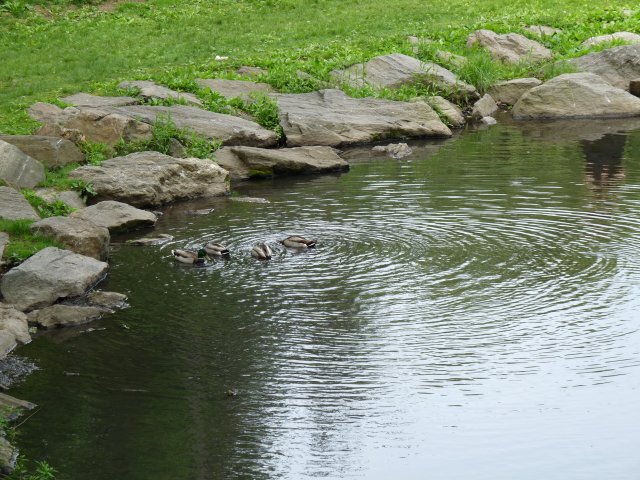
{"x": 603, "y": 160}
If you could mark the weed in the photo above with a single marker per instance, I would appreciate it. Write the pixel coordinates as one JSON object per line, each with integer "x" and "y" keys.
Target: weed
{"x": 41, "y": 470}
{"x": 95, "y": 152}
{"x": 44, "y": 208}
{"x": 265, "y": 111}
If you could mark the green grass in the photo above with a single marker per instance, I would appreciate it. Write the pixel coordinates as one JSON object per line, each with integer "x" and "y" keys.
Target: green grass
{"x": 176, "y": 42}
{"x": 44, "y": 208}
{"x": 22, "y": 243}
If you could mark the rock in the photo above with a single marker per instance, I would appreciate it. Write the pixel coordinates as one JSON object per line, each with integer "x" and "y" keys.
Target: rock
{"x": 177, "y": 149}
{"x": 452, "y": 59}
{"x": 250, "y": 162}
{"x": 4, "y": 241}
{"x": 105, "y": 125}
{"x": 78, "y": 235}
{"x": 49, "y": 275}
{"x": 87, "y": 100}
{"x": 117, "y": 217}
{"x": 70, "y": 198}
{"x": 13, "y": 403}
{"x": 451, "y": 112}
{"x": 52, "y": 152}
{"x": 64, "y": 315}
{"x": 152, "y": 90}
{"x": 510, "y": 47}
{"x": 509, "y": 91}
{"x": 19, "y": 169}
{"x": 151, "y": 241}
{"x": 394, "y": 150}
{"x": 485, "y": 107}
{"x": 12, "y": 370}
{"x": 44, "y": 112}
{"x": 230, "y": 130}
{"x": 330, "y": 117}
{"x": 576, "y": 95}
{"x": 235, "y": 88}
{"x": 634, "y": 87}
{"x": 396, "y": 70}
{"x": 251, "y": 71}
{"x": 543, "y": 30}
{"x": 14, "y": 329}
{"x": 623, "y": 36}
{"x": 13, "y": 206}
{"x": 8, "y": 456}
{"x": 618, "y": 65}
{"x": 488, "y": 121}
{"x": 146, "y": 179}
{"x": 249, "y": 199}
{"x": 54, "y": 130}
{"x": 107, "y": 301}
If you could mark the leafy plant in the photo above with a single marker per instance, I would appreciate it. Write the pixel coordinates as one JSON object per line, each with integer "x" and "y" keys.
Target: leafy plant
{"x": 95, "y": 152}
{"x": 84, "y": 189}
{"x": 265, "y": 110}
{"x": 42, "y": 471}
{"x": 44, "y": 208}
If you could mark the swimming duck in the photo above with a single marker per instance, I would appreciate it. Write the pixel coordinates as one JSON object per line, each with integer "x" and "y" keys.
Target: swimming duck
{"x": 216, "y": 249}
{"x": 295, "y": 241}
{"x": 261, "y": 251}
{"x": 193, "y": 258}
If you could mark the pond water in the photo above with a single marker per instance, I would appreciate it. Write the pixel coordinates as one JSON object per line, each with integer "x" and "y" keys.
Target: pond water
{"x": 470, "y": 312}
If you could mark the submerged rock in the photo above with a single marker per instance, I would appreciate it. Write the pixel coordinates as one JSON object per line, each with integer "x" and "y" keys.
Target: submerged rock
{"x": 394, "y": 150}
{"x": 49, "y": 275}
{"x": 107, "y": 301}
{"x": 151, "y": 241}
{"x": 576, "y": 95}
{"x": 330, "y": 117}
{"x": 64, "y": 315}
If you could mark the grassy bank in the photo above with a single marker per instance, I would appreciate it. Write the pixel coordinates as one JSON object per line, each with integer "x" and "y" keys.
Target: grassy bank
{"x": 53, "y": 50}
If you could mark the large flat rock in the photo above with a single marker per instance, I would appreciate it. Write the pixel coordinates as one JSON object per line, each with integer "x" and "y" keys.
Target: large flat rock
{"x": 397, "y": 69}
{"x": 242, "y": 89}
{"x": 623, "y": 36}
{"x": 150, "y": 90}
{"x": 228, "y": 129}
{"x": 57, "y": 316}
{"x": 509, "y": 47}
{"x": 330, "y": 117}
{"x": 145, "y": 179}
{"x": 19, "y": 169}
{"x": 576, "y": 95}
{"x": 52, "y": 152}
{"x": 508, "y": 92}
{"x": 116, "y": 216}
{"x": 49, "y": 275}
{"x": 13, "y": 206}
{"x": 88, "y": 100}
{"x": 251, "y": 162}
{"x": 76, "y": 234}
{"x": 618, "y": 65}
{"x": 450, "y": 111}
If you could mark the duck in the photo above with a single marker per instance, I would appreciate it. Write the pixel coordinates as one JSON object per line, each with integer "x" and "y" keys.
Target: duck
{"x": 216, "y": 249}
{"x": 261, "y": 251}
{"x": 296, "y": 241}
{"x": 192, "y": 258}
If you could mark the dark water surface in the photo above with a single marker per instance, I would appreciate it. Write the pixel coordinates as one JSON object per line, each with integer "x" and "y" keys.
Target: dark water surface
{"x": 472, "y": 312}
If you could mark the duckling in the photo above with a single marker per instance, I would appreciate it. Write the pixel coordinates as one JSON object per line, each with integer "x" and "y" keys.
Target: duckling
{"x": 261, "y": 251}
{"x": 216, "y": 249}
{"x": 296, "y": 241}
{"x": 193, "y": 258}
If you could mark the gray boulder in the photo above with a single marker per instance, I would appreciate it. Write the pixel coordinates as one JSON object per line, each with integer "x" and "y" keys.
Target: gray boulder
{"x": 117, "y": 217}
{"x": 485, "y": 107}
{"x": 450, "y": 111}
{"x": 88, "y": 100}
{"x": 52, "y": 152}
{"x": 250, "y": 162}
{"x": 49, "y": 275}
{"x": 75, "y": 234}
{"x": 228, "y": 129}
{"x": 13, "y": 206}
{"x": 576, "y": 95}
{"x": 152, "y": 90}
{"x": 618, "y": 65}
{"x": 330, "y": 117}
{"x": 44, "y": 112}
{"x": 107, "y": 301}
{"x": 235, "y": 88}
{"x": 510, "y": 91}
{"x": 542, "y": 30}
{"x": 146, "y": 179}
{"x": 396, "y": 70}
{"x": 71, "y": 198}
{"x": 64, "y": 316}
{"x": 19, "y": 169}
{"x": 510, "y": 47}
{"x": 14, "y": 329}
{"x": 623, "y": 36}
